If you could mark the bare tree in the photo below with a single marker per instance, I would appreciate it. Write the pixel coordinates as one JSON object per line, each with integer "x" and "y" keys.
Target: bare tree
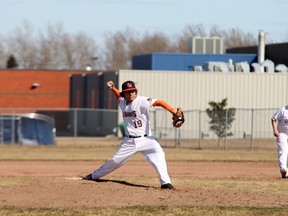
{"x": 23, "y": 46}
{"x": 116, "y": 49}
{"x": 78, "y": 51}
{"x": 3, "y": 53}
{"x": 149, "y": 43}
{"x": 235, "y": 37}
{"x": 60, "y": 50}
{"x": 121, "y": 46}
{"x": 53, "y": 49}
{"x": 50, "y": 50}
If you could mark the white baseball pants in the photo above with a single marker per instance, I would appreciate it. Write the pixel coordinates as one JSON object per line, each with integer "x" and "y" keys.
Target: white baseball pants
{"x": 282, "y": 150}
{"x": 148, "y": 146}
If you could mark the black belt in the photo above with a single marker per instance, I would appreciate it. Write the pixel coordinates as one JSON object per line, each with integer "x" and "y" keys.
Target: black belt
{"x": 130, "y": 136}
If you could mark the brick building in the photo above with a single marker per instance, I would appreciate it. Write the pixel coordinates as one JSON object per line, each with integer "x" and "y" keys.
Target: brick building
{"x": 37, "y": 91}
{"x": 54, "y": 92}
{"x": 35, "y": 88}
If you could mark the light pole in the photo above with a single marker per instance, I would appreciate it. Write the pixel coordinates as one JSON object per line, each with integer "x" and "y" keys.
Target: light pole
{"x": 92, "y": 64}
{"x": 94, "y": 59}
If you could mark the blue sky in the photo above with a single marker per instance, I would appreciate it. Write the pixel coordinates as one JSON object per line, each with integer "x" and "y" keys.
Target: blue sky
{"x": 97, "y": 17}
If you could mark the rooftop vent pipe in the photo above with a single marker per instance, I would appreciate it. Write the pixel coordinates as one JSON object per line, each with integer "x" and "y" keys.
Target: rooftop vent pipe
{"x": 261, "y": 50}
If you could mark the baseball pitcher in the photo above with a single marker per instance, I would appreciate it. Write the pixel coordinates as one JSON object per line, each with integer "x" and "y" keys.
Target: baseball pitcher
{"x": 138, "y": 135}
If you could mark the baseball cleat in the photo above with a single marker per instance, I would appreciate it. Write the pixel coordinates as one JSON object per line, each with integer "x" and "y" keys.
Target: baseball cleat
{"x": 167, "y": 186}
{"x": 284, "y": 173}
{"x": 87, "y": 177}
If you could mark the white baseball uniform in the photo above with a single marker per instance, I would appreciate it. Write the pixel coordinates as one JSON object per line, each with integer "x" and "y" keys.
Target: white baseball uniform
{"x": 281, "y": 116}
{"x": 138, "y": 139}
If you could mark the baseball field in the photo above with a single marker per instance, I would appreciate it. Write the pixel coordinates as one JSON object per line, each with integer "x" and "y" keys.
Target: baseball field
{"x": 45, "y": 180}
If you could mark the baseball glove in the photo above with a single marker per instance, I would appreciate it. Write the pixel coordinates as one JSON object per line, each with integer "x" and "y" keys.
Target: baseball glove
{"x": 178, "y": 118}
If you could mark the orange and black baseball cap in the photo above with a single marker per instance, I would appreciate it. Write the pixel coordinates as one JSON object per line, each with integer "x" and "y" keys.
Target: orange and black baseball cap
{"x": 128, "y": 86}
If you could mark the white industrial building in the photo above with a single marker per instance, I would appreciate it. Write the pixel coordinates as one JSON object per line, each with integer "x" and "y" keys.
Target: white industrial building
{"x": 256, "y": 96}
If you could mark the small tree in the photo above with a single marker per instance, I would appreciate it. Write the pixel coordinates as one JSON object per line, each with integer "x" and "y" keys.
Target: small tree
{"x": 11, "y": 62}
{"x": 221, "y": 118}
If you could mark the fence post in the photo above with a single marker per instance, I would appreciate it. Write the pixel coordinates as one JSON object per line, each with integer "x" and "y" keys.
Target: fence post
{"x": 251, "y": 139}
{"x": 155, "y": 127}
{"x": 75, "y": 124}
{"x": 177, "y": 135}
{"x": 1, "y": 130}
{"x": 13, "y": 132}
{"x": 226, "y": 122}
{"x": 200, "y": 134}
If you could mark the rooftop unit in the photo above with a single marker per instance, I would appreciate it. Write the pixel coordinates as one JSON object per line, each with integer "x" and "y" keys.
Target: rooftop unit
{"x": 205, "y": 45}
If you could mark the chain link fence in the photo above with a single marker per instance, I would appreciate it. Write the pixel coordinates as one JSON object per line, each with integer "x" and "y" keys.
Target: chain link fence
{"x": 250, "y": 130}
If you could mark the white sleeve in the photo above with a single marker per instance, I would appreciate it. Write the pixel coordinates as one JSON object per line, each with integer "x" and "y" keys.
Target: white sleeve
{"x": 146, "y": 103}
{"x": 277, "y": 115}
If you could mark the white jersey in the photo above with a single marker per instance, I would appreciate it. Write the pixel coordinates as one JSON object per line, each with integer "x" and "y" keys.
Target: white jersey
{"x": 136, "y": 116}
{"x": 281, "y": 116}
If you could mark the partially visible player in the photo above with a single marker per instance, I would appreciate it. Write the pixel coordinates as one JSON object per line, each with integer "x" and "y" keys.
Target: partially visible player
{"x": 279, "y": 123}
{"x": 138, "y": 135}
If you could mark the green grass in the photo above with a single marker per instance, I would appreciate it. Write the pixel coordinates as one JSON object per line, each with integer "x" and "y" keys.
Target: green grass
{"x": 58, "y": 152}
{"x": 7, "y": 181}
{"x": 265, "y": 186}
{"x": 149, "y": 211}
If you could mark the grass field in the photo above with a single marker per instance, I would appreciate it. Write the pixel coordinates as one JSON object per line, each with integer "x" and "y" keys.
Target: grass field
{"x": 270, "y": 187}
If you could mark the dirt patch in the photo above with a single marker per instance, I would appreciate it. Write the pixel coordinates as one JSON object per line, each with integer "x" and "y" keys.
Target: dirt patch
{"x": 54, "y": 184}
